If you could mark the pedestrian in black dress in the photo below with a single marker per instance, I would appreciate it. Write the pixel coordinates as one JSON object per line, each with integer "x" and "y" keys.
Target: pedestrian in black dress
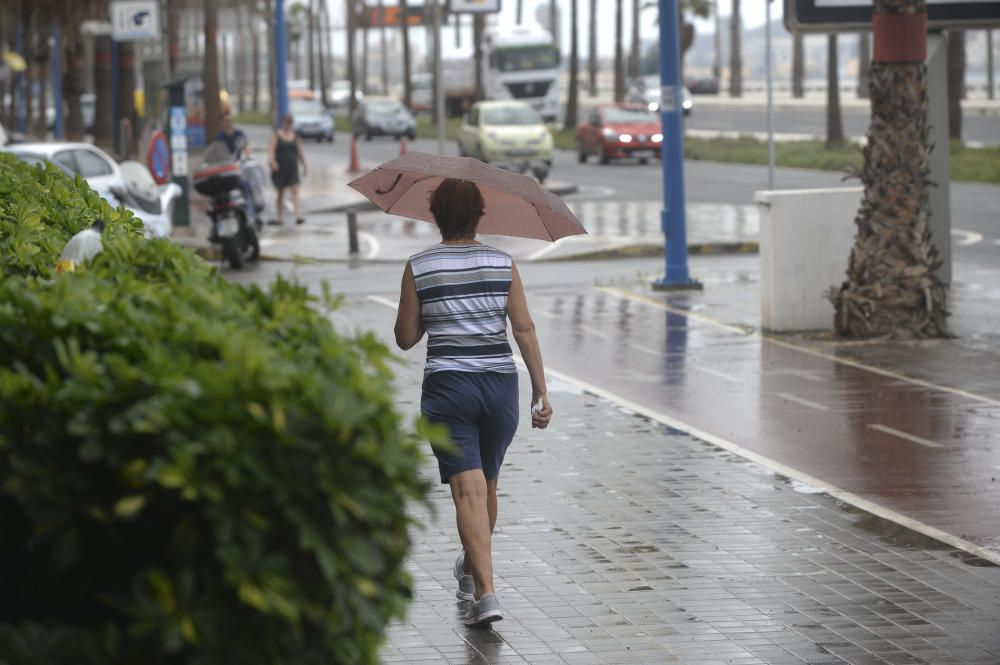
{"x": 285, "y": 155}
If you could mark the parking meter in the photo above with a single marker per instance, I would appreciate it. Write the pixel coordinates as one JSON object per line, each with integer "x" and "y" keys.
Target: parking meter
{"x": 177, "y": 135}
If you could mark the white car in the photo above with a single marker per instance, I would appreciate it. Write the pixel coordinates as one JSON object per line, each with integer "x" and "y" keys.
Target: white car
{"x": 646, "y": 90}
{"x": 129, "y": 184}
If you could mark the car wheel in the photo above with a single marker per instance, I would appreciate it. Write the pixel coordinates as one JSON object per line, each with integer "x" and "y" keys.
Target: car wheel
{"x": 602, "y": 156}
{"x": 643, "y": 160}
{"x": 581, "y": 156}
{"x": 368, "y": 135}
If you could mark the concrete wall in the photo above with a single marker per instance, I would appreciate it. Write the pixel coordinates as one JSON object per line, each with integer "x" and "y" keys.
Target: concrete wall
{"x": 806, "y": 237}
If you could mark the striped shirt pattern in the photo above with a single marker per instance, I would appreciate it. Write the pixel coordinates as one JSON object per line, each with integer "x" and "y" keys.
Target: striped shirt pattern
{"x": 463, "y": 305}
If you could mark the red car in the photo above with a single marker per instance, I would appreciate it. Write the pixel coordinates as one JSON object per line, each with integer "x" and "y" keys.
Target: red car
{"x": 614, "y": 131}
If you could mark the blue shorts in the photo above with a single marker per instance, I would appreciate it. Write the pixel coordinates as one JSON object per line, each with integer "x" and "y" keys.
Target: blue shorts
{"x": 480, "y": 411}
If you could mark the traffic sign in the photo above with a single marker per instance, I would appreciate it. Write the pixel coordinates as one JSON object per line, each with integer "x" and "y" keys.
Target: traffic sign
{"x": 856, "y": 15}
{"x": 158, "y": 158}
{"x": 133, "y": 20}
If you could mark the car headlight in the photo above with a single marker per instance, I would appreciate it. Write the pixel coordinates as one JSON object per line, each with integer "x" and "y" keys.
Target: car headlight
{"x": 687, "y": 103}
{"x": 625, "y": 138}
{"x": 608, "y": 133}
{"x": 654, "y": 106}
{"x": 657, "y": 138}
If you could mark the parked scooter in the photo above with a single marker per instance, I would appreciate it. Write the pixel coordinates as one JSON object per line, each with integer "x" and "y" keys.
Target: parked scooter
{"x": 220, "y": 180}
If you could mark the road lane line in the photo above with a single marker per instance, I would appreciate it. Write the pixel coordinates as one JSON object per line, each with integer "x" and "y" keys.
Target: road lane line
{"x": 774, "y": 465}
{"x": 804, "y": 402}
{"x": 966, "y": 238}
{"x": 715, "y": 372}
{"x": 903, "y": 435}
{"x": 628, "y": 295}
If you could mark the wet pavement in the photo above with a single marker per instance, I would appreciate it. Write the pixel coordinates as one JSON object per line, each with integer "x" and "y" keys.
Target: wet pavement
{"x": 621, "y": 540}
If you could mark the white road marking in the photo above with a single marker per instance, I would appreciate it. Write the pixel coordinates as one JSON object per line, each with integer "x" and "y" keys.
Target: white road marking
{"x": 628, "y": 295}
{"x": 721, "y": 375}
{"x": 903, "y": 435}
{"x": 384, "y": 301}
{"x": 804, "y": 402}
{"x": 594, "y": 331}
{"x": 745, "y": 453}
{"x": 966, "y": 238}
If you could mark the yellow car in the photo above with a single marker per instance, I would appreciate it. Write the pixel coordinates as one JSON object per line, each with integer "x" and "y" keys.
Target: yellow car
{"x": 505, "y": 132}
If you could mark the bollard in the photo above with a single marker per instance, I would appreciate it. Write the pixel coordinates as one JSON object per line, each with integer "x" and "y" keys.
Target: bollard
{"x": 352, "y": 233}
{"x": 355, "y": 166}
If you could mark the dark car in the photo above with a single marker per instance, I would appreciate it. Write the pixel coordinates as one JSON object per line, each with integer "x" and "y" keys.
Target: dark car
{"x": 383, "y": 116}
{"x": 615, "y": 131}
{"x": 703, "y": 86}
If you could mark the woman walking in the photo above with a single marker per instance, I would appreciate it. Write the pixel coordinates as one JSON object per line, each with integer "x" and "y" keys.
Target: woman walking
{"x": 285, "y": 155}
{"x": 461, "y": 292}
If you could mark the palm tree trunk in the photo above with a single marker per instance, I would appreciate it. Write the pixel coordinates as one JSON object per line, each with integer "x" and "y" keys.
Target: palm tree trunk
{"x": 735, "y": 53}
{"x": 478, "y": 28}
{"x": 351, "y": 56}
{"x": 574, "y": 70}
{"x": 892, "y": 287}
{"x": 311, "y": 42}
{"x": 592, "y": 51}
{"x": 126, "y": 98}
{"x": 619, "y": 71}
{"x": 834, "y": 122}
{"x": 272, "y": 56}
{"x": 956, "y": 82}
{"x": 404, "y": 27}
{"x": 173, "y": 35}
{"x": 210, "y": 70}
{"x": 103, "y": 113}
{"x": 324, "y": 51}
{"x": 633, "y": 57}
{"x": 384, "y": 47}
{"x": 864, "y": 64}
{"x": 798, "y": 66}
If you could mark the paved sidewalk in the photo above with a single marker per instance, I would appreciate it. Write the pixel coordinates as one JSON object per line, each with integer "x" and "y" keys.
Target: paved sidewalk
{"x": 623, "y": 541}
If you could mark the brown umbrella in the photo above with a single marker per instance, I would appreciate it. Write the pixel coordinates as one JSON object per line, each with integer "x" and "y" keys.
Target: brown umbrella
{"x": 516, "y": 205}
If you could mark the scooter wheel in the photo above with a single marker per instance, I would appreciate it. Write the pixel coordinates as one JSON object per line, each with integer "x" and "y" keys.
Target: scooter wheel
{"x": 231, "y": 252}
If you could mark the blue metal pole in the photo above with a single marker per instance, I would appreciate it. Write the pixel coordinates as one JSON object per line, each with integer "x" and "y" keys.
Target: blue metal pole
{"x": 672, "y": 153}
{"x": 57, "y": 96}
{"x": 281, "y": 56}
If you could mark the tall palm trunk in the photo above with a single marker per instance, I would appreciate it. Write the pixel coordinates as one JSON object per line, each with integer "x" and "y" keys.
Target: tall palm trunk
{"x": 864, "y": 64}
{"x": 834, "y": 121}
{"x": 478, "y": 28}
{"x": 352, "y": 101}
{"x": 634, "y": 54}
{"x": 210, "y": 70}
{"x": 619, "y": 71}
{"x": 384, "y": 47}
{"x": 311, "y": 42}
{"x": 404, "y": 27}
{"x": 892, "y": 286}
{"x": 324, "y": 50}
{"x": 798, "y": 66}
{"x": 592, "y": 51}
{"x": 103, "y": 113}
{"x": 574, "y": 70}
{"x": 173, "y": 35}
{"x": 956, "y": 82}
{"x": 272, "y": 61}
{"x": 735, "y": 52}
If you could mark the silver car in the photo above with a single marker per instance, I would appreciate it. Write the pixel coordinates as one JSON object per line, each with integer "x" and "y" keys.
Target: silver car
{"x": 311, "y": 120}
{"x": 646, "y": 90}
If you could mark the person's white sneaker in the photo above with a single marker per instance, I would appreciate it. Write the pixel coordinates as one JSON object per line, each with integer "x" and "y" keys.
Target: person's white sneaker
{"x": 466, "y": 585}
{"x": 484, "y": 611}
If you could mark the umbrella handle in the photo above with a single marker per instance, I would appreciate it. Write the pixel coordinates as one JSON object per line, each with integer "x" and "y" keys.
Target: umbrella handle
{"x": 391, "y": 187}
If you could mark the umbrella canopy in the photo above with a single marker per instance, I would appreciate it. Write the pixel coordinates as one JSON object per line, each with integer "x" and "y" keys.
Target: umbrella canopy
{"x": 516, "y": 205}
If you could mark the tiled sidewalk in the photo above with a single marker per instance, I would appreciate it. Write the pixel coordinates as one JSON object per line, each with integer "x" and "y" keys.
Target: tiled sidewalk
{"x": 621, "y": 541}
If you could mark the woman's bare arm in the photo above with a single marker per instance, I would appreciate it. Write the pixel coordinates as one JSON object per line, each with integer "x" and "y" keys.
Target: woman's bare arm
{"x": 527, "y": 342}
{"x": 302, "y": 157}
{"x": 409, "y": 327}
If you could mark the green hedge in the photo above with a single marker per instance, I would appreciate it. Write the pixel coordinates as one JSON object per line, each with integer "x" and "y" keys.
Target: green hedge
{"x": 191, "y": 471}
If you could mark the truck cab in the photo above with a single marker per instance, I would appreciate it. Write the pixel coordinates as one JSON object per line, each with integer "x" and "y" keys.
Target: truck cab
{"x": 522, "y": 63}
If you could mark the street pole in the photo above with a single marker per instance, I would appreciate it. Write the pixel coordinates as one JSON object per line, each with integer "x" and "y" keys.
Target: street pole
{"x": 57, "y": 99}
{"x": 672, "y": 154}
{"x": 770, "y": 95}
{"x": 281, "y": 58}
{"x": 438, "y": 83}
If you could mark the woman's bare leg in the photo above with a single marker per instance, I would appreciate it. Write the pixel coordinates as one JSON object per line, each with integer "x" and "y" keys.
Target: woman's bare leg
{"x": 281, "y": 204}
{"x": 295, "y": 202}
{"x": 469, "y": 492}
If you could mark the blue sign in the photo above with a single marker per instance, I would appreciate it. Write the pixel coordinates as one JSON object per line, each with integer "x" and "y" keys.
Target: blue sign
{"x": 158, "y": 158}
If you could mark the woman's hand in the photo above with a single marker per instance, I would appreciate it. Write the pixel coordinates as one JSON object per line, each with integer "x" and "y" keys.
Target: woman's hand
{"x": 273, "y": 164}
{"x": 540, "y": 417}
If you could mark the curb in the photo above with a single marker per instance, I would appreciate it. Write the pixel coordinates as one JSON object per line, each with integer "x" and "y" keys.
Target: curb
{"x": 650, "y": 250}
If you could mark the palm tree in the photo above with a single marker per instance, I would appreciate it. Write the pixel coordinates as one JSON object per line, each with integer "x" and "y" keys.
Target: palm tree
{"x": 834, "y": 121}
{"x": 210, "y": 69}
{"x": 892, "y": 287}
{"x": 574, "y": 70}
{"x": 798, "y": 65}
{"x": 404, "y": 26}
{"x": 633, "y": 57}
{"x": 864, "y": 64}
{"x": 619, "y": 72}
{"x": 592, "y": 51}
{"x": 735, "y": 53}
{"x": 956, "y": 82}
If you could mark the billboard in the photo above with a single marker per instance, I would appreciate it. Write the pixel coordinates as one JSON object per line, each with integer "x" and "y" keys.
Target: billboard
{"x": 856, "y": 15}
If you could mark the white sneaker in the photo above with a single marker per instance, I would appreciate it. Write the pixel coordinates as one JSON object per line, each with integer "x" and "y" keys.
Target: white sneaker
{"x": 484, "y": 611}
{"x": 466, "y": 585}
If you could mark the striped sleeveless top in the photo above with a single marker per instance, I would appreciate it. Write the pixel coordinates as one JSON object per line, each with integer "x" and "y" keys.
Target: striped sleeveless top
{"x": 463, "y": 305}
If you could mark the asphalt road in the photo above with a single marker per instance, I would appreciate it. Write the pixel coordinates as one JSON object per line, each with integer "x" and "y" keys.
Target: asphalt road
{"x": 976, "y": 128}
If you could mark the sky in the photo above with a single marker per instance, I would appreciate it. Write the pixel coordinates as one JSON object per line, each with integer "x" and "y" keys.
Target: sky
{"x": 753, "y": 12}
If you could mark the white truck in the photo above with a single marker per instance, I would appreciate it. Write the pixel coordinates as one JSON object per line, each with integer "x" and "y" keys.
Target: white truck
{"x": 518, "y": 63}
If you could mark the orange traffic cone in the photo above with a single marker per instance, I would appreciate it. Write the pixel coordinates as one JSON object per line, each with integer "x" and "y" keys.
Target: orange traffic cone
{"x": 402, "y": 146}
{"x": 355, "y": 166}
